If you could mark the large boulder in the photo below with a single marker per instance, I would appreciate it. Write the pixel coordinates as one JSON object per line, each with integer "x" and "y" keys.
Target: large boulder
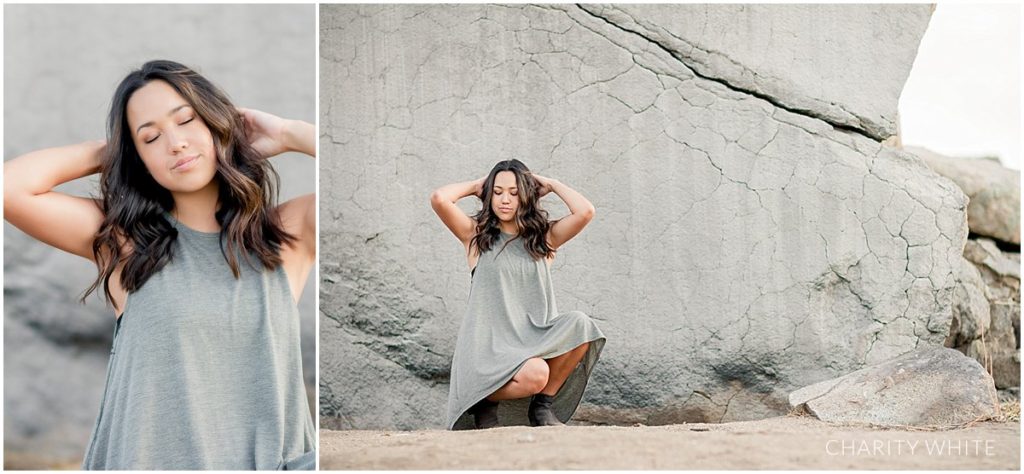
{"x": 1003, "y": 344}
{"x": 971, "y": 315}
{"x": 745, "y": 244}
{"x": 994, "y": 190}
{"x": 55, "y": 352}
{"x": 57, "y": 92}
{"x": 1000, "y": 270}
{"x": 986, "y": 310}
{"x": 927, "y": 387}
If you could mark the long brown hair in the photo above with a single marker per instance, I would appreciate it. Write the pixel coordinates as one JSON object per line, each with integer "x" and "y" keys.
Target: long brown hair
{"x": 530, "y": 217}
{"x": 135, "y": 229}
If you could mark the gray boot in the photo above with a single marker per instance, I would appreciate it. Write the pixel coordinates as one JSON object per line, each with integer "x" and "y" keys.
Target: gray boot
{"x": 540, "y": 413}
{"x": 485, "y": 414}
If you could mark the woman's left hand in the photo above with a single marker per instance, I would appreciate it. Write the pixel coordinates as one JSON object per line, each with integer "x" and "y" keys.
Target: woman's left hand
{"x": 266, "y": 132}
{"x": 581, "y": 211}
{"x": 544, "y": 185}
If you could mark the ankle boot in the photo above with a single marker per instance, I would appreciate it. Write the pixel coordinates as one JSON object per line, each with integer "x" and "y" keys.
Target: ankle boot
{"x": 485, "y": 414}
{"x": 540, "y": 413}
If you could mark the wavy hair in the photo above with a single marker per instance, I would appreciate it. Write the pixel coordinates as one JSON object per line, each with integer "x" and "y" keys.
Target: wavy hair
{"x": 530, "y": 217}
{"x": 135, "y": 230}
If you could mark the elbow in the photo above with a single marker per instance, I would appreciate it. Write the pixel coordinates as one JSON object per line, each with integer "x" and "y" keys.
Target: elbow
{"x": 588, "y": 212}
{"x": 7, "y": 203}
{"x": 436, "y": 198}
{"x": 11, "y": 190}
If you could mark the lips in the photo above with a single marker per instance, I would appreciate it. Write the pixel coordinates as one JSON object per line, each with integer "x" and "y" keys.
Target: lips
{"x": 505, "y": 209}
{"x": 186, "y": 163}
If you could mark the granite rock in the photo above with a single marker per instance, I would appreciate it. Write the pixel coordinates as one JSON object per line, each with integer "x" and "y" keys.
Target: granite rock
{"x": 927, "y": 387}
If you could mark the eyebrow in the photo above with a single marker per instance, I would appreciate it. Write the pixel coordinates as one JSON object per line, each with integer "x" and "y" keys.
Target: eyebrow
{"x": 147, "y": 124}
{"x": 510, "y": 187}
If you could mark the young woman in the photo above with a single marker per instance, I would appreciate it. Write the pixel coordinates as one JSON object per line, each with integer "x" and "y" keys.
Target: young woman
{"x": 513, "y": 343}
{"x": 202, "y": 270}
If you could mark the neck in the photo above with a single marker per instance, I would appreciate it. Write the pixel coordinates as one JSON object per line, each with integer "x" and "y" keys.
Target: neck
{"x": 508, "y": 227}
{"x": 197, "y": 210}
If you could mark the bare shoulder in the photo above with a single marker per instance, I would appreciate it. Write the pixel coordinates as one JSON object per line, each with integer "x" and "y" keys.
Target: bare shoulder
{"x": 296, "y": 214}
{"x": 298, "y": 218}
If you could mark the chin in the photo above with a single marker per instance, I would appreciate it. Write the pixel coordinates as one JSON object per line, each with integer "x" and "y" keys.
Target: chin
{"x": 189, "y": 183}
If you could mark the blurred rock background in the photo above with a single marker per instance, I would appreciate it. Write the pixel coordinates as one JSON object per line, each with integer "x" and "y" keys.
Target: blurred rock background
{"x": 986, "y": 302}
{"x": 759, "y": 227}
{"x": 61, "y": 65}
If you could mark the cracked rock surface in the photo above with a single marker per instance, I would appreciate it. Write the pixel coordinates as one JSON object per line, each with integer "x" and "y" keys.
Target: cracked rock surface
{"x": 55, "y": 93}
{"x": 994, "y": 192}
{"x": 809, "y": 58}
{"x": 747, "y": 241}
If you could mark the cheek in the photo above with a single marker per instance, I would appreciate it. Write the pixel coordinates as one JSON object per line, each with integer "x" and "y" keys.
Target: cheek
{"x": 202, "y": 137}
{"x": 205, "y": 141}
{"x": 212, "y": 151}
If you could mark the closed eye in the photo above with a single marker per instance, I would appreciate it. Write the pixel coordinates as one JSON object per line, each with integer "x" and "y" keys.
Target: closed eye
{"x": 190, "y": 119}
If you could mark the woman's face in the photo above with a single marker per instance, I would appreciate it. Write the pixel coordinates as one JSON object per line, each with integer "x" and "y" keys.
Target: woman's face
{"x": 173, "y": 141}
{"x": 505, "y": 196}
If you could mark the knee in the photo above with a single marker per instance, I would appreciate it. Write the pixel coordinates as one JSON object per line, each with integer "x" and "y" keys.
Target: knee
{"x": 536, "y": 375}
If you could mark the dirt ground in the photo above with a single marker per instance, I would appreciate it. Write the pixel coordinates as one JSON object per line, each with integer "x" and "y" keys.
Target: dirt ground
{"x": 790, "y": 442}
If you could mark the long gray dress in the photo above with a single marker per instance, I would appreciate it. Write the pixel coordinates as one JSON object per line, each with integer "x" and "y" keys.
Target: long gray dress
{"x": 512, "y": 317}
{"x": 205, "y": 371}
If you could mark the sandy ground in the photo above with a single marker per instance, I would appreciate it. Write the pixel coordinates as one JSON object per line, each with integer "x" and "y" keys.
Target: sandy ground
{"x": 791, "y": 442}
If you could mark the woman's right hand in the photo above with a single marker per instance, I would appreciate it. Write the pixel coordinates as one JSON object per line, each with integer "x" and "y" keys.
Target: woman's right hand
{"x": 479, "y": 193}
{"x": 69, "y": 223}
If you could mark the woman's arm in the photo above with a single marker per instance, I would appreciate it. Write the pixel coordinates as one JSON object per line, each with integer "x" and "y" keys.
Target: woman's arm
{"x": 66, "y": 222}
{"x": 581, "y": 211}
{"x": 270, "y": 136}
{"x": 300, "y": 136}
{"x": 443, "y": 201}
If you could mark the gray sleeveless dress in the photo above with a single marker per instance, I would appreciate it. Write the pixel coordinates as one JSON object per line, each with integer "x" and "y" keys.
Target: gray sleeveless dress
{"x": 205, "y": 371}
{"x": 512, "y": 317}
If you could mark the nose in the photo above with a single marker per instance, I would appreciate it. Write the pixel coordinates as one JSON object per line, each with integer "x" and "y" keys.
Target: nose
{"x": 506, "y": 198}
{"x": 176, "y": 142}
